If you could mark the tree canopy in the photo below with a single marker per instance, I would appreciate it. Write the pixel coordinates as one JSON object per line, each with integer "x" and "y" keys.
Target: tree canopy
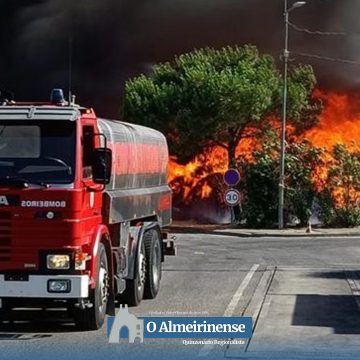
{"x": 218, "y": 97}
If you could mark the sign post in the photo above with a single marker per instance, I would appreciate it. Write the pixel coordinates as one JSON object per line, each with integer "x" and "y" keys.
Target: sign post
{"x": 232, "y": 196}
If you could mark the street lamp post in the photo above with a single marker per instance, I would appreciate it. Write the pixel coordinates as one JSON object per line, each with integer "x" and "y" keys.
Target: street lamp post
{"x": 284, "y": 112}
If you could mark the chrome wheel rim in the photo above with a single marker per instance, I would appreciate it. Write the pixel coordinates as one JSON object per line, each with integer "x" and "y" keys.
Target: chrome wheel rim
{"x": 104, "y": 287}
{"x": 156, "y": 264}
{"x": 141, "y": 270}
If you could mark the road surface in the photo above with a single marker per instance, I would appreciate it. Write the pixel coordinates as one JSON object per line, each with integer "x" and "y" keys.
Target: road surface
{"x": 303, "y": 295}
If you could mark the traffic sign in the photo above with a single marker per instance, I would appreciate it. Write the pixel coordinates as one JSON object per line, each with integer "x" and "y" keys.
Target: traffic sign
{"x": 232, "y": 177}
{"x": 232, "y": 197}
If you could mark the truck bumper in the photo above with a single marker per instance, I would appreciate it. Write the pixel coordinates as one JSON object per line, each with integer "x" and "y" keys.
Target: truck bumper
{"x": 38, "y": 286}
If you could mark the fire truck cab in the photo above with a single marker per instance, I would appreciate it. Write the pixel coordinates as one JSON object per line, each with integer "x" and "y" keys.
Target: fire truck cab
{"x": 83, "y": 201}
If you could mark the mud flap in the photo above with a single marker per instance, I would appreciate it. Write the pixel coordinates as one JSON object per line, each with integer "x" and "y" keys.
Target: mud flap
{"x": 169, "y": 247}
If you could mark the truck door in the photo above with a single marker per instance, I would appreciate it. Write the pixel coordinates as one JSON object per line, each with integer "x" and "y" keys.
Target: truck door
{"x": 91, "y": 198}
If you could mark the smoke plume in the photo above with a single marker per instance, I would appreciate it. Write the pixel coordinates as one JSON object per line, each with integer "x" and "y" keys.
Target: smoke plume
{"x": 113, "y": 40}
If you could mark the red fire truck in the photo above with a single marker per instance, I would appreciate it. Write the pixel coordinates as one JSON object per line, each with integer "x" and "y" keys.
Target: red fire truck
{"x": 83, "y": 201}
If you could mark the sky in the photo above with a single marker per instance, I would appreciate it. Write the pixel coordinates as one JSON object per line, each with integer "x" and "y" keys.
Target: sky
{"x": 114, "y": 40}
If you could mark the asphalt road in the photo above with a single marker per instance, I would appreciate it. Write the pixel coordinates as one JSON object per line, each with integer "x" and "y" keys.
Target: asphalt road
{"x": 301, "y": 292}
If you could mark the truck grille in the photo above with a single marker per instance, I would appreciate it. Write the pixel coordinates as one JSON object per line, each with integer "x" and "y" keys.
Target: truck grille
{"x": 5, "y": 236}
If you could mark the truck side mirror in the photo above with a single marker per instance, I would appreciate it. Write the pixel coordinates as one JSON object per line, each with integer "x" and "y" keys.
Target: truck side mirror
{"x": 102, "y": 159}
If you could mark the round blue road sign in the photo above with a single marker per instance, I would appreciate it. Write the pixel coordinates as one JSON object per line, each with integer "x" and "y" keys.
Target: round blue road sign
{"x": 231, "y": 177}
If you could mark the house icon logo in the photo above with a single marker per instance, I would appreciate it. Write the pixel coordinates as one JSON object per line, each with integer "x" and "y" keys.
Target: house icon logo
{"x": 124, "y": 319}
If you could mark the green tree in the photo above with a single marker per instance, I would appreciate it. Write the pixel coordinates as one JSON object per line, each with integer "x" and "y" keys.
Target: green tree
{"x": 340, "y": 199}
{"x": 218, "y": 97}
{"x": 260, "y": 182}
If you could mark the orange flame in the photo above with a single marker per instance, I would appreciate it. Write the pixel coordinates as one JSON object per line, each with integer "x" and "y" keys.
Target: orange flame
{"x": 193, "y": 174}
{"x": 339, "y": 122}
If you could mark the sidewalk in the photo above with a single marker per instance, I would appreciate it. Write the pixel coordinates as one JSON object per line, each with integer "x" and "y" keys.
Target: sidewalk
{"x": 309, "y": 313}
{"x": 188, "y": 227}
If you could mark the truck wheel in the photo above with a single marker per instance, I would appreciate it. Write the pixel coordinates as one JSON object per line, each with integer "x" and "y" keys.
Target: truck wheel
{"x": 134, "y": 291}
{"x": 93, "y": 318}
{"x": 153, "y": 264}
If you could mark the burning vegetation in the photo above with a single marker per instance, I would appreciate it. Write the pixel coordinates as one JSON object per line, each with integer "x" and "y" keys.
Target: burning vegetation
{"x": 335, "y": 174}
{"x": 339, "y": 122}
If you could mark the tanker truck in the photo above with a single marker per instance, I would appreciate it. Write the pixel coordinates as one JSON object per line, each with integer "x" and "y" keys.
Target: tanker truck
{"x": 83, "y": 203}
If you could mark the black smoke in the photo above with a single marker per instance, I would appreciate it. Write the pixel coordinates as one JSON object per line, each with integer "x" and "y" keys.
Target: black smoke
{"x": 117, "y": 39}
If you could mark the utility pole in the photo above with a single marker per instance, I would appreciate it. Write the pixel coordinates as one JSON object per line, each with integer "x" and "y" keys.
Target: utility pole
{"x": 284, "y": 111}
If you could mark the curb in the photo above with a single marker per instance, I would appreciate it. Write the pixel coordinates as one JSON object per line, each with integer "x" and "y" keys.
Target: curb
{"x": 281, "y": 235}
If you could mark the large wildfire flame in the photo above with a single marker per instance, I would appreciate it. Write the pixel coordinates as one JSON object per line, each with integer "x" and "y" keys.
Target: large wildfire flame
{"x": 195, "y": 174}
{"x": 339, "y": 123}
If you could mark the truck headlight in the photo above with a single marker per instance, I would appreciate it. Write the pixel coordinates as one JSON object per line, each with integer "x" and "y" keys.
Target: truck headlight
{"x": 58, "y": 262}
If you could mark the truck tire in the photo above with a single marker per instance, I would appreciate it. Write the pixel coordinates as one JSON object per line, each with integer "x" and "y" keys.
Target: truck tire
{"x": 153, "y": 264}
{"x": 93, "y": 318}
{"x": 5, "y": 311}
{"x": 134, "y": 291}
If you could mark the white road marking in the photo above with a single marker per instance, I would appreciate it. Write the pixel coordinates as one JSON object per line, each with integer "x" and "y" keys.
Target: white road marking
{"x": 239, "y": 292}
{"x": 230, "y": 309}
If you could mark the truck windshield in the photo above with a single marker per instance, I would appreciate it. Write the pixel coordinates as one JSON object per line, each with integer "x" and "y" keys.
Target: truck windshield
{"x": 39, "y": 152}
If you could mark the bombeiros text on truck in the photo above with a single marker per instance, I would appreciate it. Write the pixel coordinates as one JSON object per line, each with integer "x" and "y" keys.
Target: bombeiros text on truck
{"x": 83, "y": 202}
